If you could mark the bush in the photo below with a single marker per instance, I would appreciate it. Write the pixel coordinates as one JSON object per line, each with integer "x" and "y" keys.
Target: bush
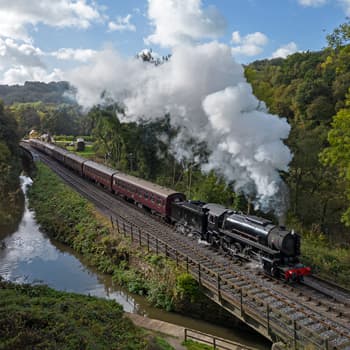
{"x": 37, "y": 317}
{"x": 187, "y": 287}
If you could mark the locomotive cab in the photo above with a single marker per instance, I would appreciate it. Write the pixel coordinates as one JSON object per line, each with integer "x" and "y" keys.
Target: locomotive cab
{"x": 216, "y": 219}
{"x": 216, "y": 216}
{"x": 190, "y": 218}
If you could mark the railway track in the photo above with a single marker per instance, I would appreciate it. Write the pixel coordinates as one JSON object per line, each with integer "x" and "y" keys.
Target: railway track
{"x": 305, "y": 309}
{"x": 329, "y": 289}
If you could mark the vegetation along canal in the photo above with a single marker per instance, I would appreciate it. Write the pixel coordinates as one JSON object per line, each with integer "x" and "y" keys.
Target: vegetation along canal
{"x": 30, "y": 256}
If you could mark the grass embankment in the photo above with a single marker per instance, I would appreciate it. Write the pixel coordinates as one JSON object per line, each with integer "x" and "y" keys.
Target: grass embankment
{"x": 37, "y": 317}
{"x": 327, "y": 261}
{"x": 70, "y": 219}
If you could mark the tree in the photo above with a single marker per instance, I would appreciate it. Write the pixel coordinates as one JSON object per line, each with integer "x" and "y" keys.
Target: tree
{"x": 340, "y": 36}
{"x": 338, "y": 152}
{"x": 9, "y": 167}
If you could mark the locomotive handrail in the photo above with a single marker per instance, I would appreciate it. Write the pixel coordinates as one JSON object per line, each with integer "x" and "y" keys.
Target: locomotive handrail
{"x": 291, "y": 329}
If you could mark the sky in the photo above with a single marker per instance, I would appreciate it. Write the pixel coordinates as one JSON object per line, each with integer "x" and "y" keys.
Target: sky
{"x": 93, "y": 45}
{"x": 42, "y": 39}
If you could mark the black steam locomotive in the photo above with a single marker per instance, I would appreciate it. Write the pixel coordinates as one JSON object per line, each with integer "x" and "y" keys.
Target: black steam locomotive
{"x": 244, "y": 236}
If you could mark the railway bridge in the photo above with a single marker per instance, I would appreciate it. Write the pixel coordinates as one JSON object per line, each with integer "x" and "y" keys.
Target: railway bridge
{"x": 294, "y": 315}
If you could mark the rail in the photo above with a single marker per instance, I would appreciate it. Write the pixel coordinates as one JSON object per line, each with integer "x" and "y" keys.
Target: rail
{"x": 215, "y": 342}
{"x": 239, "y": 301}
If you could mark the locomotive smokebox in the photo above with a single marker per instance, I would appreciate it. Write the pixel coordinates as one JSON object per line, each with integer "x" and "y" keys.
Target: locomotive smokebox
{"x": 284, "y": 241}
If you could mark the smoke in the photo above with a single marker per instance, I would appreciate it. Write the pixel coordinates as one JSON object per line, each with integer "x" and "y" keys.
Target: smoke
{"x": 206, "y": 94}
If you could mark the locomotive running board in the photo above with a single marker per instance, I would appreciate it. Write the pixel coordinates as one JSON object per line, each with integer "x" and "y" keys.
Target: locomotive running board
{"x": 251, "y": 243}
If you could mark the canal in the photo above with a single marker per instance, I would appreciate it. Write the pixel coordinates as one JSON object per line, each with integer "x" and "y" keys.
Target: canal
{"x": 30, "y": 256}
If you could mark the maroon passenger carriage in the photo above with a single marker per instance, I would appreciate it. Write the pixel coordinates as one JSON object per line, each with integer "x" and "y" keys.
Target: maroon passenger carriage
{"x": 37, "y": 144}
{"x": 99, "y": 173}
{"x": 74, "y": 162}
{"x": 156, "y": 198}
{"x": 59, "y": 153}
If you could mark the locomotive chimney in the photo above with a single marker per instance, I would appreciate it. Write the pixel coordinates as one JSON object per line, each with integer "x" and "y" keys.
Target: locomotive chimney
{"x": 282, "y": 220}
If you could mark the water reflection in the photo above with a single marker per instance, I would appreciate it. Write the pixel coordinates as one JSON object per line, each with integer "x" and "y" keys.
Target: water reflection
{"x": 29, "y": 256}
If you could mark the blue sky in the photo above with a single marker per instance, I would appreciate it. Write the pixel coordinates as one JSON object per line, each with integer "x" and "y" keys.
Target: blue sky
{"x": 40, "y": 39}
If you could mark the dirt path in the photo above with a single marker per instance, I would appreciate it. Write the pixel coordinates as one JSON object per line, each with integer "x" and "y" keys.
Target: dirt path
{"x": 174, "y": 333}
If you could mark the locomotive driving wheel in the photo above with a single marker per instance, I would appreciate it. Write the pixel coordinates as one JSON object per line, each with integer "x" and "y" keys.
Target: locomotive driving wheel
{"x": 274, "y": 272}
{"x": 246, "y": 251}
{"x": 225, "y": 246}
{"x": 237, "y": 248}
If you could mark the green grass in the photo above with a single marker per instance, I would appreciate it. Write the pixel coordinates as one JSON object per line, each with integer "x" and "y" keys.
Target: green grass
{"x": 37, "y": 317}
{"x": 163, "y": 344}
{"x": 87, "y": 153}
{"x": 330, "y": 262}
{"x": 193, "y": 345}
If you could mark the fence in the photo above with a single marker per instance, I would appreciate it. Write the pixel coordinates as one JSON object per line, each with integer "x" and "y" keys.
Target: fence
{"x": 215, "y": 342}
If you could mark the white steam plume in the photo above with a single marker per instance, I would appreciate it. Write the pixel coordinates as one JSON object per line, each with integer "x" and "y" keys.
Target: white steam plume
{"x": 207, "y": 96}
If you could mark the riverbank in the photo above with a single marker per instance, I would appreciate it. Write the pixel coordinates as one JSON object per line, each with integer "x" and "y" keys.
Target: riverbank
{"x": 37, "y": 317}
{"x": 70, "y": 219}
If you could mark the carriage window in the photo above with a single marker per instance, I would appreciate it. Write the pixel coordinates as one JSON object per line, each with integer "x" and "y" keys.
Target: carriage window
{"x": 146, "y": 195}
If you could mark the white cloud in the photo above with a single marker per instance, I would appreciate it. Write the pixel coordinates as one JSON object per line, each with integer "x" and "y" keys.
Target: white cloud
{"x": 285, "y": 50}
{"x": 249, "y": 45}
{"x": 346, "y": 6}
{"x": 21, "y": 61}
{"x": 15, "y": 53}
{"x": 313, "y": 3}
{"x": 182, "y": 21}
{"x": 122, "y": 24}
{"x": 15, "y": 16}
{"x": 81, "y": 55}
{"x": 20, "y": 74}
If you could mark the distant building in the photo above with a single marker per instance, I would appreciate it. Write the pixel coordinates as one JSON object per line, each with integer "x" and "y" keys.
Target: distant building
{"x": 33, "y": 134}
{"x": 80, "y": 145}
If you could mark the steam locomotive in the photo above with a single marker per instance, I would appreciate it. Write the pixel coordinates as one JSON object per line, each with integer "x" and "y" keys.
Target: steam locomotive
{"x": 243, "y": 236}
